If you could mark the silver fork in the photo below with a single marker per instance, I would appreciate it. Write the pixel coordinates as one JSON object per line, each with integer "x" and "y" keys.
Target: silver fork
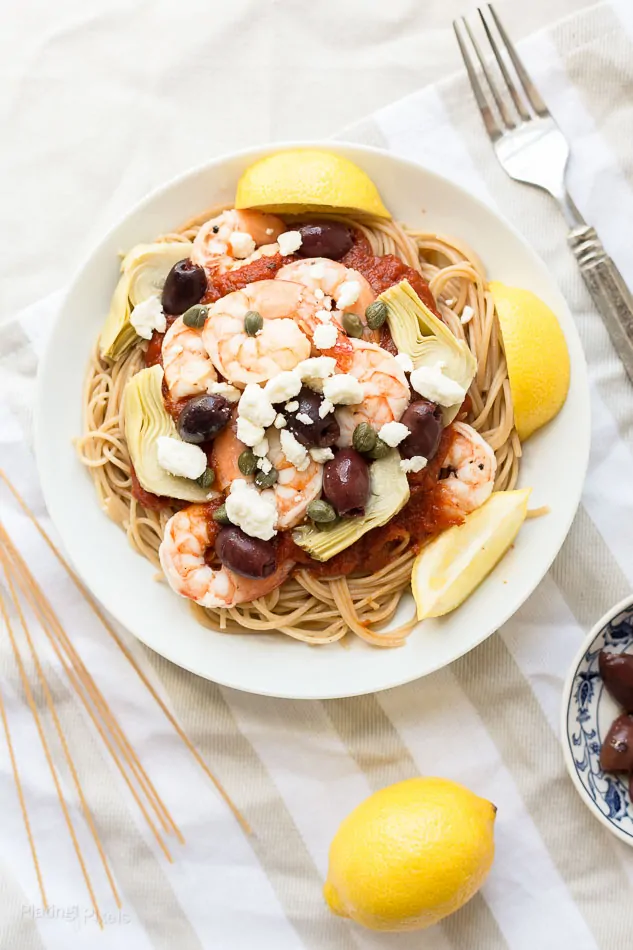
{"x": 532, "y": 149}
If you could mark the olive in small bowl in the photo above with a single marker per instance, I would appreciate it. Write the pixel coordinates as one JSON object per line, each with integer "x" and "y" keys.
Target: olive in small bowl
{"x": 202, "y": 417}
{"x": 325, "y": 239}
{"x": 250, "y": 557}
{"x": 346, "y": 483}
{"x": 423, "y": 419}
{"x": 185, "y": 285}
{"x": 319, "y": 432}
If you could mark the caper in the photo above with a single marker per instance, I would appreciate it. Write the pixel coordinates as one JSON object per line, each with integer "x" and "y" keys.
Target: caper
{"x": 207, "y": 478}
{"x": 253, "y": 322}
{"x": 321, "y": 511}
{"x": 376, "y": 314}
{"x": 195, "y": 316}
{"x": 266, "y": 479}
{"x": 352, "y": 324}
{"x": 380, "y": 450}
{"x": 364, "y": 437}
{"x": 247, "y": 462}
{"x": 221, "y": 516}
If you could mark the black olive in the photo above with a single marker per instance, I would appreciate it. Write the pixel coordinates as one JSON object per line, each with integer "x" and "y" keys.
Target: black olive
{"x": 346, "y": 482}
{"x": 318, "y": 432}
{"x": 616, "y": 754}
{"x": 185, "y": 285}
{"x": 202, "y": 417}
{"x": 325, "y": 239}
{"x": 616, "y": 670}
{"x": 248, "y": 556}
{"x": 424, "y": 421}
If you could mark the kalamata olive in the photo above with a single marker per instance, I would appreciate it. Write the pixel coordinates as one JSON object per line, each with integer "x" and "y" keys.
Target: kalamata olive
{"x": 186, "y": 284}
{"x": 424, "y": 421}
{"x": 248, "y": 556}
{"x": 616, "y": 670}
{"x": 346, "y": 482}
{"x": 202, "y": 418}
{"x": 325, "y": 239}
{"x": 318, "y": 432}
{"x": 616, "y": 754}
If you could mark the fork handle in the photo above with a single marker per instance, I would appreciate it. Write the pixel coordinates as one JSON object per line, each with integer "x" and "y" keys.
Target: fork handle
{"x": 608, "y": 289}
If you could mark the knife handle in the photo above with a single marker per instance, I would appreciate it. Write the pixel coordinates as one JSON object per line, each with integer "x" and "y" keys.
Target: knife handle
{"x": 606, "y": 285}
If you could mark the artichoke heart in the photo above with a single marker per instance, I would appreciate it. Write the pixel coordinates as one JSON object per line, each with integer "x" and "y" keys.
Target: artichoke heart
{"x": 389, "y": 489}
{"x": 419, "y": 333}
{"x": 146, "y": 419}
{"x": 143, "y": 273}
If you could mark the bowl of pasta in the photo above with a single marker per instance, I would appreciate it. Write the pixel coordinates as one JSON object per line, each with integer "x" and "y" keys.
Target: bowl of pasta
{"x": 297, "y": 417}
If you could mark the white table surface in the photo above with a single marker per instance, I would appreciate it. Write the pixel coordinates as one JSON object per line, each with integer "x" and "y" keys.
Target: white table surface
{"x": 100, "y": 100}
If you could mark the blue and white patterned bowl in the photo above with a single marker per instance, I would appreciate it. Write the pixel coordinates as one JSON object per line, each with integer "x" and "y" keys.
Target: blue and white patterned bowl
{"x": 587, "y": 713}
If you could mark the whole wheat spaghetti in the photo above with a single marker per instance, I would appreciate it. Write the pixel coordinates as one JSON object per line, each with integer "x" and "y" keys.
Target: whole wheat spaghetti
{"x": 309, "y": 607}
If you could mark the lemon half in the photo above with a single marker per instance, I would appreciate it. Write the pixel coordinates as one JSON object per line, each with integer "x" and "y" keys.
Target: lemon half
{"x": 453, "y": 565}
{"x": 308, "y": 179}
{"x": 410, "y": 854}
{"x": 537, "y": 356}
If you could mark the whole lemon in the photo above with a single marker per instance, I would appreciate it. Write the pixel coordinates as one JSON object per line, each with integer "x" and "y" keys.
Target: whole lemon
{"x": 410, "y": 854}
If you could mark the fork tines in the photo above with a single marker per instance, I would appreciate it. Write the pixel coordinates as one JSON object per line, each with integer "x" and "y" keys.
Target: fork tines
{"x": 508, "y": 113}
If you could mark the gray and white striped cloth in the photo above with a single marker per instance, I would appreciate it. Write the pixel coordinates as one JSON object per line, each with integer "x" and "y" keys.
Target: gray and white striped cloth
{"x": 296, "y": 768}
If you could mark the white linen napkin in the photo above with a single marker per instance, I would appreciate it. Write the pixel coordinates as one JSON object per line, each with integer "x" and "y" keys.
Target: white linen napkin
{"x": 297, "y": 768}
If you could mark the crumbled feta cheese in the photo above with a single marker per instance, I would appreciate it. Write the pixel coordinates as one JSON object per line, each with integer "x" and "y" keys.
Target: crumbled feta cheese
{"x": 405, "y": 362}
{"x": 450, "y": 301}
{"x": 261, "y": 449}
{"x": 264, "y": 465}
{"x": 289, "y": 242}
{"x": 393, "y": 433}
{"x": 242, "y": 244}
{"x": 255, "y": 405}
{"x": 321, "y": 455}
{"x": 415, "y": 464}
{"x": 467, "y": 314}
{"x": 148, "y": 316}
{"x": 430, "y": 382}
{"x": 347, "y": 294}
{"x": 291, "y": 406}
{"x": 280, "y": 421}
{"x": 324, "y": 316}
{"x": 314, "y": 370}
{"x": 232, "y": 393}
{"x": 343, "y": 390}
{"x": 319, "y": 294}
{"x": 325, "y": 336}
{"x": 253, "y": 512}
{"x": 296, "y": 453}
{"x": 270, "y": 231}
{"x": 325, "y": 408}
{"x": 283, "y": 386}
{"x": 248, "y": 433}
{"x": 180, "y": 458}
{"x": 305, "y": 418}
{"x": 317, "y": 271}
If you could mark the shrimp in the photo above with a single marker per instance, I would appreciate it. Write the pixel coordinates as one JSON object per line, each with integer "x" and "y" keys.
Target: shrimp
{"x": 186, "y": 363}
{"x": 386, "y": 391}
{"x": 188, "y": 535}
{"x": 217, "y": 249}
{"x": 325, "y": 279}
{"x": 294, "y": 490}
{"x": 468, "y": 472}
{"x": 279, "y": 345}
{"x": 227, "y": 449}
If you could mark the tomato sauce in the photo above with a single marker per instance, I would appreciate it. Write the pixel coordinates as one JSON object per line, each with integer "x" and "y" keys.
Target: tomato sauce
{"x": 264, "y": 268}
{"x": 146, "y": 498}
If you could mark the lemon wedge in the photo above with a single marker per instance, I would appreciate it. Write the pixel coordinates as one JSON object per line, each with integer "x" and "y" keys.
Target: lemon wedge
{"x": 537, "y": 356}
{"x": 308, "y": 179}
{"x": 453, "y": 565}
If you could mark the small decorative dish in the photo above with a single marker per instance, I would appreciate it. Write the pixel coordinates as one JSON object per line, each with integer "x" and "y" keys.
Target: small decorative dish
{"x": 587, "y": 715}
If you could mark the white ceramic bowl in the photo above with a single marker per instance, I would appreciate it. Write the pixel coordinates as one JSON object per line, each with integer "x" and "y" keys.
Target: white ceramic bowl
{"x": 554, "y": 462}
{"x": 587, "y": 712}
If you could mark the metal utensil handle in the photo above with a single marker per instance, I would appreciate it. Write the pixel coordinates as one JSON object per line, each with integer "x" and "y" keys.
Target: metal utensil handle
{"x": 606, "y": 285}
